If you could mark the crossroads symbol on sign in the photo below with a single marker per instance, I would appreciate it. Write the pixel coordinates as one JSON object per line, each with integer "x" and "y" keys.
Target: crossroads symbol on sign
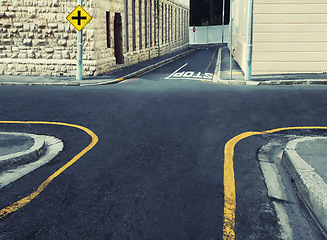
{"x": 79, "y": 18}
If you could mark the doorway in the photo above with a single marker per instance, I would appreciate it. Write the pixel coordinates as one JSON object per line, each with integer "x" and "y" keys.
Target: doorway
{"x": 118, "y": 38}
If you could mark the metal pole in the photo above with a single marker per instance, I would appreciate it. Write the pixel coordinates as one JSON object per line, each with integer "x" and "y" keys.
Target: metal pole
{"x": 230, "y": 50}
{"x": 194, "y": 36}
{"x": 223, "y": 23}
{"x": 249, "y": 41}
{"x": 79, "y": 66}
{"x": 231, "y": 40}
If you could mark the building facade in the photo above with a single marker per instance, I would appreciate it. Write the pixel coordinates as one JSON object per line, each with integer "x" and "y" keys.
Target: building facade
{"x": 36, "y": 38}
{"x": 289, "y": 36}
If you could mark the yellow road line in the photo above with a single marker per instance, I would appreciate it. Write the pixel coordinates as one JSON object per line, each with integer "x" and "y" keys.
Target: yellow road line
{"x": 229, "y": 179}
{"x": 211, "y": 59}
{"x": 21, "y": 203}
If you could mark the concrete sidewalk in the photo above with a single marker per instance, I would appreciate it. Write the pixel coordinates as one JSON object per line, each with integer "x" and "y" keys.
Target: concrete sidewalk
{"x": 306, "y": 161}
{"x": 119, "y": 75}
{"x": 22, "y": 153}
{"x": 223, "y": 75}
{"x": 19, "y": 148}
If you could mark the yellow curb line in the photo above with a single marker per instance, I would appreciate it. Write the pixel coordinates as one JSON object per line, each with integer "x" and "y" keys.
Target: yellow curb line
{"x": 119, "y": 80}
{"x": 21, "y": 203}
{"x": 229, "y": 180}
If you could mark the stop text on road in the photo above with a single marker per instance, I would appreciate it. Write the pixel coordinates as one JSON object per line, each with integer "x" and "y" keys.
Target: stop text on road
{"x": 191, "y": 75}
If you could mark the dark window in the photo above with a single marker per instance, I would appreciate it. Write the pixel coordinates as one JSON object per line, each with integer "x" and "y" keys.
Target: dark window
{"x": 133, "y": 25}
{"x": 145, "y": 23}
{"x": 140, "y": 23}
{"x": 150, "y": 21}
{"x": 126, "y": 27}
{"x": 108, "y": 28}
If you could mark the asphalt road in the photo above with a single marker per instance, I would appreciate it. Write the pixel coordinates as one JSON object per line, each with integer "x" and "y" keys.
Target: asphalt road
{"x": 157, "y": 170}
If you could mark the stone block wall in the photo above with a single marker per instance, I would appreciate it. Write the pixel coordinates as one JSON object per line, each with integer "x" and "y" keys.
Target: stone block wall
{"x": 36, "y": 38}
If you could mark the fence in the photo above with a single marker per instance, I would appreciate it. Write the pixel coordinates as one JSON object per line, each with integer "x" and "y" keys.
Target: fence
{"x": 209, "y": 34}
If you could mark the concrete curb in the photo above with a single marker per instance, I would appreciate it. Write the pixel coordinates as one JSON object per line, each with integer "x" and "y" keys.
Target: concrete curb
{"x": 38, "y": 84}
{"x": 217, "y": 79}
{"x": 104, "y": 82}
{"x": 35, "y": 152}
{"x": 309, "y": 183}
{"x": 53, "y": 147}
{"x": 143, "y": 70}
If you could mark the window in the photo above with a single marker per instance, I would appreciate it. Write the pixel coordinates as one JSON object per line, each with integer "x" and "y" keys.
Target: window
{"x": 145, "y": 23}
{"x": 108, "y": 29}
{"x": 140, "y": 23}
{"x": 126, "y": 27}
{"x": 133, "y": 25}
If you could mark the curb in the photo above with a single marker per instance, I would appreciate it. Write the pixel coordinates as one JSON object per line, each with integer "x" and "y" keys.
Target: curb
{"x": 309, "y": 183}
{"x": 33, "y": 153}
{"x": 217, "y": 79}
{"x": 38, "y": 84}
{"x": 142, "y": 71}
{"x": 128, "y": 76}
{"x": 54, "y": 147}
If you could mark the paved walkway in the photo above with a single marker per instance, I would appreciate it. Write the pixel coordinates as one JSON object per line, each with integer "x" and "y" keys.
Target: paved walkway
{"x": 119, "y": 75}
{"x": 224, "y": 75}
{"x": 306, "y": 161}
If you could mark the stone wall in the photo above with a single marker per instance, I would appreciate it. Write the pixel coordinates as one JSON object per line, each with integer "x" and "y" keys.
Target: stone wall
{"x": 36, "y": 38}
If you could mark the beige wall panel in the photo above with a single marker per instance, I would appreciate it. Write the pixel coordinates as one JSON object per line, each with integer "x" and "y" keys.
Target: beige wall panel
{"x": 290, "y": 57}
{"x": 290, "y": 47}
{"x": 289, "y": 28}
{"x": 290, "y": 67}
{"x": 240, "y": 54}
{"x": 290, "y": 8}
{"x": 290, "y": 18}
{"x": 290, "y": 37}
{"x": 290, "y": 1}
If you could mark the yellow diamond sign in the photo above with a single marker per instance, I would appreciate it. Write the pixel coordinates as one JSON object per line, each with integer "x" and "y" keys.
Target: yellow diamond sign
{"x": 79, "y": 18}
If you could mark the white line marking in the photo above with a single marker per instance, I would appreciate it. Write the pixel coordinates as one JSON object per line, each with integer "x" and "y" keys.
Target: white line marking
{"x": 176, "y": 71}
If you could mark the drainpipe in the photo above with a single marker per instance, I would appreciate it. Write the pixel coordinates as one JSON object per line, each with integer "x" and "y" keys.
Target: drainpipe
{"x": 249, "y": 42}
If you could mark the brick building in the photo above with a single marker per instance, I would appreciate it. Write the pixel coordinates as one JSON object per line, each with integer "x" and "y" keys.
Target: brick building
{"x": 36, "y": 38}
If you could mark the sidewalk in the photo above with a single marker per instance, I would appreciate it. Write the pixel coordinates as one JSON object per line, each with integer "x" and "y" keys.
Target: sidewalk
{"x": 22, "y": 153}
{"x": 119, "y": 75}
{"x": 223, "y": 75}
{"x": 19, "y": 148}
{"x": 306, "y": 161}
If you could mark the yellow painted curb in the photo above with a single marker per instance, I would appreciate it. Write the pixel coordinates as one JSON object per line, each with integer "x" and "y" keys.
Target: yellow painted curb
{"x": 229, "y": 179}
{"x": 21, "y": 203}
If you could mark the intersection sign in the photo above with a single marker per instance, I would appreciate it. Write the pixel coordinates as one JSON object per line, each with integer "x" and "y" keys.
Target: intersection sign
{"x": 79, "y": 18}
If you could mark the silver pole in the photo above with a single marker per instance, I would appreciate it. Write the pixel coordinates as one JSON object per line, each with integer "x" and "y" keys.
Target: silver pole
{"x": 231, "y": 40}
{"x": 249, "y": 40}
{"x": 194, "y": 36}
{"x": 230, "y": 50}
{"x": 79, "y": 66}
{"x": 223, "y": 23}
